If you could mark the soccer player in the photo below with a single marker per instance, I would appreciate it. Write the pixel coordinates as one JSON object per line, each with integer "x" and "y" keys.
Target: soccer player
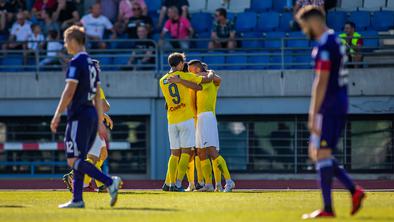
{"x": 180, "y": 119}
{"x": 83, "y": 119}
{"x": 98, "y": 153}
{"x": 207, "y": 136}
{"x": 328, "y": 109}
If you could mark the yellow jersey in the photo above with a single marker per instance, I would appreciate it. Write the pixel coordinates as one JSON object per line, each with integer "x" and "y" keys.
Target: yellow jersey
{"x": 102, "y": 95}
{"x": 206, "y": 98}
{"x": 178, "y": 97}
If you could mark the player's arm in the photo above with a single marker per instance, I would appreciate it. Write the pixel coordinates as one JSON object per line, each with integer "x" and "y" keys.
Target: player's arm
{"x": 99, "y": 107}
{"x": 208, "y": 78}
{"x": 106, "y": 105}
{"x": 67, "y": 96}
{"x": 188, "y": 84}
{"x": 216, "y": 79}
{"x": 319, "y": 89}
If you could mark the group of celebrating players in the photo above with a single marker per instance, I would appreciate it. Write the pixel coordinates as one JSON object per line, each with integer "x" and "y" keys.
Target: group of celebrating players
{"x": 190, "y": 91}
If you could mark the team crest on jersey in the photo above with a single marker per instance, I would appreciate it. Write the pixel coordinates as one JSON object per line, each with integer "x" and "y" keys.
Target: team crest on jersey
{"x": 323, "y": 143}
{"x": 165, "y": 81}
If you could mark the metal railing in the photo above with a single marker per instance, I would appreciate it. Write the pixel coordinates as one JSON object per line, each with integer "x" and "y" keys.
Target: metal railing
{"x": 251, "y": 54}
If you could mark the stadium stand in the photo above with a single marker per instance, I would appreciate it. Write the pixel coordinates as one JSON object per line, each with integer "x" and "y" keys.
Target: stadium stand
{"x": 361, "y": 18}
{"x": 348, "y": 5}
{"x": 261, "y": 6}
{"x": 372, "y": 5}
{"x": 268, "y": 21}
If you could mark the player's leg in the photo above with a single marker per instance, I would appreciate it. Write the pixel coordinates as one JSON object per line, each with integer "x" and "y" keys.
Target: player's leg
{"x": 190, "y": 173}
{"x": 206, "y": 166}
{"x": 173, "y": 159}
{"x": 103, "y": 156}
{"x": 200, "y": 178}
{"x": 187, "y": 142}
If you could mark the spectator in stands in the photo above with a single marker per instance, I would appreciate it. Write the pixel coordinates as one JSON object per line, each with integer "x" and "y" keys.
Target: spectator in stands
{"x": 138, "y": 19}
{"x": 144, "y": 51}
{"x": 95, "y": 24}
{"x": 178, "y": 27}
{"x": 223, "y": 31}
{"x": 126, "y": 9}
{"x": 353, "y": 42}
{"x": 54, "y": 50}
{"x": 302, "y": 3}
{"x": 44, "y": 20}
{"x": 181, "y": 5}
{"x": 66, "y": 14}
{"x": 20, "y": 32}
{"x": 110, "y": 9}
{"x": 49, "y": 5}
{"x": 36, "y": 40}
{"x": 5, "y": 18}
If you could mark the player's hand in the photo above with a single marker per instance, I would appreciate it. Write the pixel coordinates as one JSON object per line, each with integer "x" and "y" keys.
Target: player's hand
{"x": 108, "y": 121}
{"x": 55, "y": 123}
{"x": 174, "y": 79}
{"x": 102, "y": 131}
{"x": 312, "y": 124}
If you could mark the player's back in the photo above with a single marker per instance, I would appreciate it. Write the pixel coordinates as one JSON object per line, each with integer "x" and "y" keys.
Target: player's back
{"x": 206, "y": 98}
{"x": 329, "y": 56}
{"x": 178, "y": 97}
{"x": 82, "y": 71}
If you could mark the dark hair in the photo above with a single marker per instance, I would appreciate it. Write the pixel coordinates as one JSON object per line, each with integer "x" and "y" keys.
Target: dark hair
{"x": 352, "y": 24}
{"x": 310, "y": 11}
{"x": 175, "y": 58}
{"x": 53, "y": 34}
{"x": 34, "y": 25}
{"x": 197, "y": 63}
{"x": 222, "y": 12}
{"x": 77, "y": 33}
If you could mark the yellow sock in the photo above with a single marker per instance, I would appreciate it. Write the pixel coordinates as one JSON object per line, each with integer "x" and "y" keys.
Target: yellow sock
{"x": 216, "y": 171}
{"x": 190, "y": 171}
{"x": 223, "y": 166}
{"x": 207, "y": 171}
{"x": 87, "y": 179}
{"x": 98, "y": 166}
{"x": 182, "y": 166}
{"x": 172, "y": 168}
{"x": 168, "y": 180}
{"x": 200, "y": 177}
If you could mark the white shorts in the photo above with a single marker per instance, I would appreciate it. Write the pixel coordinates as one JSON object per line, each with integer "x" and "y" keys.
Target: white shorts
{"x": 182, "y": 135}
{"x": 95, "y": 150}
{"x": 207, "y": 134}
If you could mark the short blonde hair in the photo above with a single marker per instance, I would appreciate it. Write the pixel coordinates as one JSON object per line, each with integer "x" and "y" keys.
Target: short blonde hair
{"x": 77, "y": 33}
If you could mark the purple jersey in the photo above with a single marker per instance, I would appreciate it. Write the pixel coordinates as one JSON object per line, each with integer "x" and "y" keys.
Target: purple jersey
{"x": 82, "y": 70}
{"x": 329, "y": 57}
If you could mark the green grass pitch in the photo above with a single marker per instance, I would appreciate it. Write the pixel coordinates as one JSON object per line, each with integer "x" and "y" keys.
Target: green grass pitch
{"x": 159, "y": 206}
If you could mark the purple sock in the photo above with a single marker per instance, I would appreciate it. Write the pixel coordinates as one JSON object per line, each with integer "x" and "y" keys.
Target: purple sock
{"x": 325, "y": 170}
{"x": 342, "y": 176}
{"x": 89, "y": 169}
{"x": 77, "y": 185}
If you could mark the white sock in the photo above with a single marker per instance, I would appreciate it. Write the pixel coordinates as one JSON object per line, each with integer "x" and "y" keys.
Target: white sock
{"x": 178, "y": 183}
{"x": 229, "y": 181}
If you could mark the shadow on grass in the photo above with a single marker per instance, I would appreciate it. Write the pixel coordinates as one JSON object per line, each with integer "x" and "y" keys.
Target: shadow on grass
{"x": 140, "y": 192}
{"x": 376, "y": 218}
{"x": 141, "y": 209}
{"x": 12, "y": 206}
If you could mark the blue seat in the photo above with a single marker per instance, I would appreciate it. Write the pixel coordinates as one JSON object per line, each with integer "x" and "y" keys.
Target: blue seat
{"x": 361, "y": 19}
{"x": 336, "y": 20}
{"x": 299, "y": 41}
{"x": 268, "y": 21}
{"x": 215, "y": 61}
{"x": 231, "y": 16}
{"x": 236, "y": 62}
{"x": 302, "y": 62}
{"x": 274, "y": 40}
{"x": 105, "y": 60}
{"x": 252, "y": 44}
{"x": 261, "y": 5}
{"x": 279, "y": 5}
{"x": 370, "y": 39}
{"x": 246, "y": 22}
{"x": 383, "y": 20}
{"x": 193, "y": 56}
{"x": 16, "y": 63}
{"x": 201, "y": 22}
{"x": 257, "y": 62}
{"x": 202, "y": 44}
{"x": 284, "y": 21}
{"x": 154, "y": 5}
{"x": 276, "y": 62}
{"x": 121, "y": 60}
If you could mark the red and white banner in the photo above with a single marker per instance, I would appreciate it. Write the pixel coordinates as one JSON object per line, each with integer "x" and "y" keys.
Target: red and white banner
{"x": 15, "y": 146}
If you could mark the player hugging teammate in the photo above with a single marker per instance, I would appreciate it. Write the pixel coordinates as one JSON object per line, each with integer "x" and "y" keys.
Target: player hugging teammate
{"x": 193, "y": 124}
